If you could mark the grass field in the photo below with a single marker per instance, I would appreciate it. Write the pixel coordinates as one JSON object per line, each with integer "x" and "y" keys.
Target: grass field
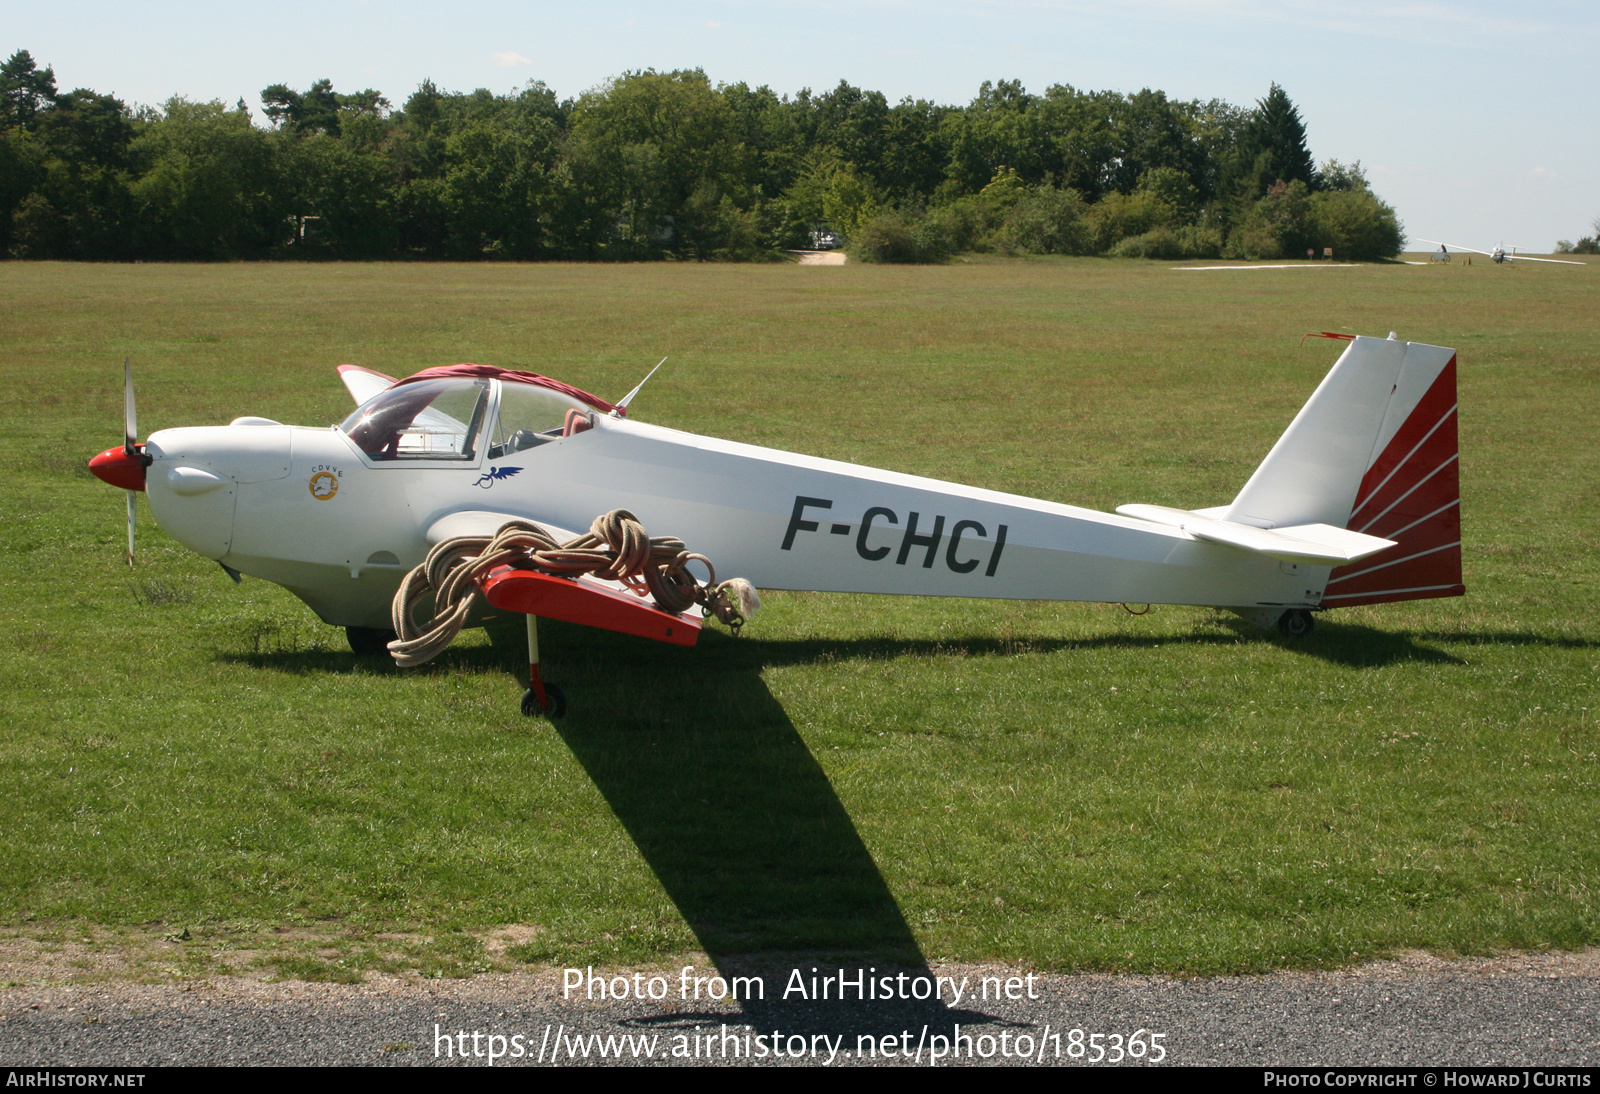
{"x": 1061, "y": 785}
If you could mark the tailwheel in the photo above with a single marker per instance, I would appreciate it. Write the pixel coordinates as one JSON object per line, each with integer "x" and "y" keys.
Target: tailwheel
{"x": 552, "y": 704}
{"x": 540, "y": 698}
{"x": 369, "y": 641}
{"x": 1296, "y": 623}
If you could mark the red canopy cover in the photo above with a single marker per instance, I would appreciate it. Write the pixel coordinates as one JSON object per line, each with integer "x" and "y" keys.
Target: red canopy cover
{"x": 511, "y": 376}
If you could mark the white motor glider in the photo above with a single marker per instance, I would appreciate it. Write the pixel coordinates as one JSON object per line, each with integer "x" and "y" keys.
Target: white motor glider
{"x": 1498, "y": 255}
{"x": 1357, "y": 503}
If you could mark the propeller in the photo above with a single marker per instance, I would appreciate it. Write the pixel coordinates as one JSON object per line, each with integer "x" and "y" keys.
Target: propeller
{"x": 125, "y": 467}
{"x": 130, "y": 417}
{"x": 130, "y": 444}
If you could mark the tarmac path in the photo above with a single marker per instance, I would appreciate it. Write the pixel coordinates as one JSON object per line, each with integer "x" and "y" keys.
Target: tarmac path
{"x": 1524, "y": 1010}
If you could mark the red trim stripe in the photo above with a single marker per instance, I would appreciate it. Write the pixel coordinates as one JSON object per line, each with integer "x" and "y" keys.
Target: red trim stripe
{"x": 1365, "y": 494}
{"x": 1429, "y": 411}
{"x": 1406, "y": 505}
{"x": 1412, "y": 495}
{"x": 1390, "y": 596}
{"x": 1419, "y": 520}
{"x": 1396, "y": 562}
{"x": 1433, "y": 453}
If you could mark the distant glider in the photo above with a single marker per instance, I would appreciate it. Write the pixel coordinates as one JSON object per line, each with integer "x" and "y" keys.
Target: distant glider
{"x": 1500, "y": 254}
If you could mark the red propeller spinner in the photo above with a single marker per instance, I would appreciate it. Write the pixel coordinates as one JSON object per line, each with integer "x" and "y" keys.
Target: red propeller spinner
{"x": 120, "y": 469}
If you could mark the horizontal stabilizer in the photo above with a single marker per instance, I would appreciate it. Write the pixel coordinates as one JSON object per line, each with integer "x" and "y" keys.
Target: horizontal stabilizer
{"x": 1311, "y": 544}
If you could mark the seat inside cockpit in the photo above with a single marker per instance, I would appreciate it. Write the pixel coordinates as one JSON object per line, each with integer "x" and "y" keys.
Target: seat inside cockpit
{"x": 531, "y": 415}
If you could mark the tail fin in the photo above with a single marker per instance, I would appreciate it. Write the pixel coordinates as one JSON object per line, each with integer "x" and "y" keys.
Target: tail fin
{"x": 1374, "y": 451}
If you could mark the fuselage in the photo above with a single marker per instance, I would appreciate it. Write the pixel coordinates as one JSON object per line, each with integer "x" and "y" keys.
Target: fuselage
{"x": 339, "y": 524}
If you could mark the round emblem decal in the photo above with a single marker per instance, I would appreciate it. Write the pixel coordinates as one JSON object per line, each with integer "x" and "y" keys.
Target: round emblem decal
{"x": 324, "y": 485}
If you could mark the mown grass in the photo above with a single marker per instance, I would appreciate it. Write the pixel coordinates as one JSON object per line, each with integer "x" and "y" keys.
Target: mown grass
{"x": 1062, "y": 785}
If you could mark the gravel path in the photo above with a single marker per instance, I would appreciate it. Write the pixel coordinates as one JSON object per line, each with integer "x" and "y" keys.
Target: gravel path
{"x": 1531, "y": 1010}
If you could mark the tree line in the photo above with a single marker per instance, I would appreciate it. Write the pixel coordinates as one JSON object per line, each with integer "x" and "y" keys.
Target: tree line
{"x": 1586, "y": 245}
{"x": 656, "y": 165}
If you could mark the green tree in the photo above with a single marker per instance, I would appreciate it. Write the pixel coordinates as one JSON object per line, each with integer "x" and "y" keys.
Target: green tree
{"x": 853, "y": 124}
{"x": 1334, "y": 175}
{"x": 649, "y": 158}
{"x": 320, "y": 109}
{"x": 496, "y": 186}
{"x": 892, "y": 236}
{"x": 1279, "y": 224}
{"x": 1172, "y": 187}
{"x": 1588, "y": 245}
{"x": 212, "y": 185}
{"x": 1355, "y": 224}
{"x": 914, "y": 152}
{"x": 1047, "y": 221}
{"x": 346, "y": 191}
{"x": 25, "y": 90}
{"x": 81, "y": 206}
{"x": 774, "y": 131}
{"x": 1116, "y": 217}
{"x": 1272, "y": 147}
{"x": 1218, "y": 131}
{"x": 1151, "y": 133}
{"x": 1080, "y": 131}
{"x": 22, "y": 167}
{"x": 313, "y": 111}
{"x": 1002, "y": 127}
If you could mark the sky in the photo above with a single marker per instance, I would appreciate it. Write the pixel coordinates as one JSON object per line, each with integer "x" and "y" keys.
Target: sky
{"x": 1475, "y": 120}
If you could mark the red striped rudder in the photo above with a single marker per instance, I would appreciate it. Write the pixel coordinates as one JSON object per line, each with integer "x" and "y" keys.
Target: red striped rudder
{"x": 1411, "y": 494}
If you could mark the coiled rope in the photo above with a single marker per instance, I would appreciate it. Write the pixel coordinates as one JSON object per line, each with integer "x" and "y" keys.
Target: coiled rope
{"x": 615, "y": 548}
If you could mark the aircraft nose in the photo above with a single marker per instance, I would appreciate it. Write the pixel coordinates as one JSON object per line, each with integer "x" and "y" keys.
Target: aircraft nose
{"x": 121, "y": 470}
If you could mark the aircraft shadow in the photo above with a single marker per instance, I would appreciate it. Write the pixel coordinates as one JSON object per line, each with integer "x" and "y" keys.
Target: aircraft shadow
{"x": 739, "y": 822}
{"x": 741, "y": 826}
{"x": 1349, "y": 644}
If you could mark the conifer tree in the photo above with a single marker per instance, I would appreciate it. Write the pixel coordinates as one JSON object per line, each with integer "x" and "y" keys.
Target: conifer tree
{"x": 1274, "y": 145}
{"x": 25, "y": 90}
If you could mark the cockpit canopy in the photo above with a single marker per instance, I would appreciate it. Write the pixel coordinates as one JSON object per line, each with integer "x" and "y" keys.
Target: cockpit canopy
{"x": 431, "y": 420}
{"x": 444, "y": 419}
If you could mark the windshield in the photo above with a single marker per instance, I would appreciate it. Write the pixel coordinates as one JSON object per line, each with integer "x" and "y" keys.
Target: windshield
{"x": 430, "y": 420}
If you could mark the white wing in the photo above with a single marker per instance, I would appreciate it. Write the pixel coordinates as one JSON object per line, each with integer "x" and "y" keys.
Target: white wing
{"x": 364, "y": 383}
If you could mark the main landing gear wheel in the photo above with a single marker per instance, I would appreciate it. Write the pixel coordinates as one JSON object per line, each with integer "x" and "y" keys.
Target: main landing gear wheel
{"x": 368, "y": 641}
{"x": 555, "y": 702}
{"x": 1296, "y": 623}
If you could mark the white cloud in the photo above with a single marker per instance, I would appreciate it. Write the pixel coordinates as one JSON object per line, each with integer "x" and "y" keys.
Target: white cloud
{"x": 1542, "y": 173}
{"x": 713, "y": 24}
{"x": 509, "y": 59}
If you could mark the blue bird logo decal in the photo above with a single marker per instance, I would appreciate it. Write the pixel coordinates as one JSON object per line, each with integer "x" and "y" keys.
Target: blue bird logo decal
{"x": 494, "y": 475}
